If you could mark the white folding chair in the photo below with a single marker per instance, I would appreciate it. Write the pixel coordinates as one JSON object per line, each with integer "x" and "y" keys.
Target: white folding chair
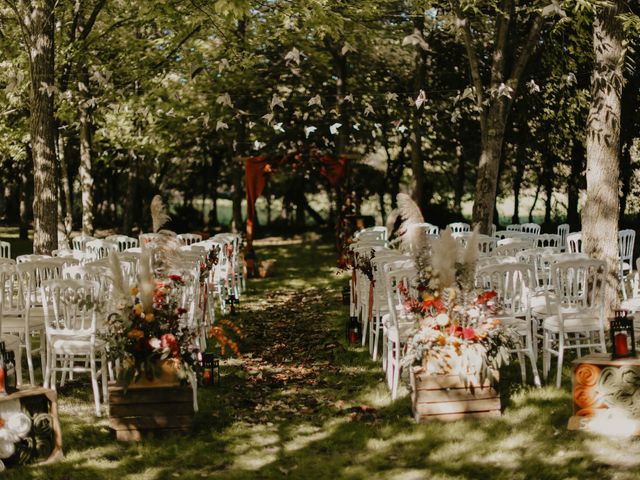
{"x": 514, "y": 283}
{"x": 548, "y": 240}
{"x": 79, "y": 242}
{"x": 576, "y": 310}
{"x": 563, "y": 231}
{"x": 574, "y": 242}
{"x": 626, "y": 240}
{"x": 532, "y": 228}
{"x": 123, "y": 241}
{"x": 397, "y": 321}
{"x": 70, "y": 309}
{"x": 31, "y": 275}
{"x": 189, "y": 238}
{"x": 100, "y": 248}
{"x": 459, "y": 227}
{"x": 5, "y": 249}
{"x": 13, "y": 333}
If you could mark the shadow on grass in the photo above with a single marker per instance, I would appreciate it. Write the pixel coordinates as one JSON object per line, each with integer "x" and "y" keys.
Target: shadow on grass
{"x": 304, "y": 405}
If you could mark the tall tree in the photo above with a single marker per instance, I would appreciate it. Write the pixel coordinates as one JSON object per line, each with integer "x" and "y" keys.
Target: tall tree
{"x": 37, "y": 23}
{"x": 495, "y": 91}
{"x": 600, "y": 213}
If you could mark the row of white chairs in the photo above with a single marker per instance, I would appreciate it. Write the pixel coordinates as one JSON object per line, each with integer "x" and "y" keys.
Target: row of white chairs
{"x": 66, "y": 337}
{"x": 549, "y": 297}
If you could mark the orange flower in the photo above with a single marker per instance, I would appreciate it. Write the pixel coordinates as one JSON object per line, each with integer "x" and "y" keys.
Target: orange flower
{"x": 149, "y": 317}
{"x": 135, "y": 334}
{"x": 134, "y": 291}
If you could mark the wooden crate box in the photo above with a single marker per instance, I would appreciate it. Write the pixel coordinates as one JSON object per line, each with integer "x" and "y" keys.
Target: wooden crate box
{"x": 43, "y": 443}
{"x": 150, "y": 411}
{"x": 445, "y": 397}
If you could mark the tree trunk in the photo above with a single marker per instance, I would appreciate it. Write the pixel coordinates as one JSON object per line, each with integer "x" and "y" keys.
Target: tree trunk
{"x": 41, "y": 62}
{"x": 573, "y": 186}
{"x": 548, "y": 187}
{"x": 601, "y": 209}
{"x": 418, "y": 182}
{"x": 65, "y": 187}
{"x": 458, "y": 190}
{"x": 489, "y": 166}
{"x": 85, "y": 172}
{"x": 132, "y": 190}
{"x": 25, "y": 197}
{"x": 517, "y": 184}
{"x": 238, "y": 194}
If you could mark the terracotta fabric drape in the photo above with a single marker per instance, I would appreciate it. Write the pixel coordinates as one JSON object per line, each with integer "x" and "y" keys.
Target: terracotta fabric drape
{"x": 333, "y": 170}
{"x": 255, "y": 169}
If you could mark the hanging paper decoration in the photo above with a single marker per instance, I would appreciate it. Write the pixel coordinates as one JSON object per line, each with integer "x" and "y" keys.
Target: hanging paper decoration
{"x": 292, "y": 55}
{"x": 334, "y": 128}
{"x": 317, "y": 100}
{"x": 224, "y": 100}
{"x": 276, "y": 101}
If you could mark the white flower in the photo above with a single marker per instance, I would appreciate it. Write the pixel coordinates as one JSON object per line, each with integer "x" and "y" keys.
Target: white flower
{"x": 442, "y": 319}
{"x": 155, "y": 343}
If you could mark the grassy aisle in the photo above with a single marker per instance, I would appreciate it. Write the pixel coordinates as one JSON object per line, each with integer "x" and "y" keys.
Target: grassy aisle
{"x": 303, "y": 405}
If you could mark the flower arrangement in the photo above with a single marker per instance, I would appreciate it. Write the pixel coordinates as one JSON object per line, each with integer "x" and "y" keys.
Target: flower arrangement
{"x": 150, "y": 329}
{"x": 209, "y": 263}
{"x": 456, "y": 330}
{"x": 148, "y": 333}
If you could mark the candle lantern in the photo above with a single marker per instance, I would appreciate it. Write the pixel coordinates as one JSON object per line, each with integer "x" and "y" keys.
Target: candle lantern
{"x": 346, "y": 295}
{"x": 622, "y": 335}
{"x": 354, "y": 329}
{"x": 210, "y": 370}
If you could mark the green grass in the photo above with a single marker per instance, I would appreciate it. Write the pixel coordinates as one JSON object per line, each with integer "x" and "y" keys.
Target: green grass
{"x": 293, "y": 409}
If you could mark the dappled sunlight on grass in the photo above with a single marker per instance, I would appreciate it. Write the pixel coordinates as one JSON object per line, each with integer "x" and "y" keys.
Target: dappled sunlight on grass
{"x": 303, "y": 404}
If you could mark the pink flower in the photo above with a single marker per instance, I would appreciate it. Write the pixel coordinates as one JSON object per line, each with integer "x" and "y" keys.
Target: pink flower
{"x": 468, "y": 333}
{"x": 168, "y": 340}
{"x": 455, "y": 330}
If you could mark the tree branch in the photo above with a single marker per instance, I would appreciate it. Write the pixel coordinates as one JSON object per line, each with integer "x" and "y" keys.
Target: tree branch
{"x": 525, "y": 54}
{"x": 472, "y": 56}
{"x": 500, "y": 44}
{"x": 88, "y": 25}
{"x": 178, "y": 46}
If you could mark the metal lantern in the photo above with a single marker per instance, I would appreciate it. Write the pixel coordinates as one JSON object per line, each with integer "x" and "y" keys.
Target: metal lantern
{"x": 354, "y": 329}
{"x": 210, "y": 370}
{"x": 623, "y": 342}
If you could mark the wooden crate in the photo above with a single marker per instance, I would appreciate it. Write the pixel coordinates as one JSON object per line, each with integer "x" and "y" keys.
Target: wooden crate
{"x": 444, "y": 397}
{"x": 150, "y": 411}
{"x": 41, "y": 400}
{"x": 592, "y": 410}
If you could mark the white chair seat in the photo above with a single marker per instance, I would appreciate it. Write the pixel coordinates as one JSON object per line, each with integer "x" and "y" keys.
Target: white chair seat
{"x": 577, "y": 322}
{"x": 400, "y": 333}
{"x": 75, "y": 346}
{"x": 631, "y": 304}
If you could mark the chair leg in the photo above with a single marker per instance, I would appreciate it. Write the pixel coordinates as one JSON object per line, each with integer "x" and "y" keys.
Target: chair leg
{"x": 94, "y": 382}
{"x": 19, "y": 365}
{"x": 523, "y": 366}
{"x": 397, "y": 370}
{"x": 376, "y": 335}
{"x": 545, "y": 355}
{"x": 27, "y": 342}
{"x": 103, "y": 370}
{"x": 560, "y": 358}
